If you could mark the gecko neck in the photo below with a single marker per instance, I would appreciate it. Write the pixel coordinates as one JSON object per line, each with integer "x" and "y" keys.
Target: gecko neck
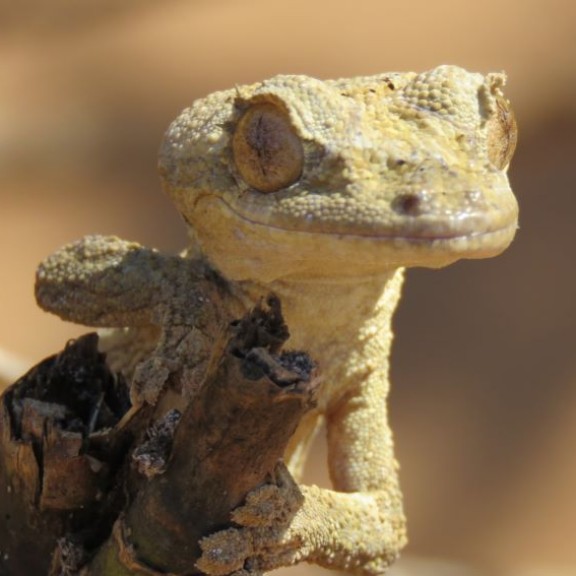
{"x": 344, "y": 325}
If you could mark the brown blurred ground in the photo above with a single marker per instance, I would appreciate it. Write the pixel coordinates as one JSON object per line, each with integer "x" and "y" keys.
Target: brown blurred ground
{"x": 484, "y": 403}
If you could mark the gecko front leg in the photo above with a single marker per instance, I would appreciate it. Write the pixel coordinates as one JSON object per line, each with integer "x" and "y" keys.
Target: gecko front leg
{"x": 358, "y": 526}
{"x": 170, "y": 306}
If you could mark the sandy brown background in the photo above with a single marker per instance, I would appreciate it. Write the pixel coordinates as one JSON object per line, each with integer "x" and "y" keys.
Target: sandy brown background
{"x": 484, "y": 399}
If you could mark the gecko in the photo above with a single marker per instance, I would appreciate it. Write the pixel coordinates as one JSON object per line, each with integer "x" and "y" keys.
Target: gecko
{"x": 321, "y": 192}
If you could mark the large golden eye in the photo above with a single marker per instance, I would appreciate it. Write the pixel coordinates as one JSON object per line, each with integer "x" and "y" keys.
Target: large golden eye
{"x": 267, "y": 151}
{"x": 502, "y": 134}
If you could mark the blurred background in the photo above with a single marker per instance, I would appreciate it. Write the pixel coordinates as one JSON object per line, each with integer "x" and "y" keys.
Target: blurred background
{"x": 484, "y": 370}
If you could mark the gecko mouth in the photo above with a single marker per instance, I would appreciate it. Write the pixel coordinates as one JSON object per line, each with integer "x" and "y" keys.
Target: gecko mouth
{"x": 464, "y": 231}
{"x": 247, "y": 246}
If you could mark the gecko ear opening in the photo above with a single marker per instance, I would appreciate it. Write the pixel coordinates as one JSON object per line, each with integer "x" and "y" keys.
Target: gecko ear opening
{"x": 267, "y": 152}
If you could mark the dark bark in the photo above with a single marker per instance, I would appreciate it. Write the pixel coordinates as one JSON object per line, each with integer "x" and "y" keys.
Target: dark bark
{"x": 60, "y": 451}
{"x": 70, "y": 495}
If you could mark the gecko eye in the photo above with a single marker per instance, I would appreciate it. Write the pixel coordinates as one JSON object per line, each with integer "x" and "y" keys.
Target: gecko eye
{"x": 502, "y": 134}
{"x": 267, "y": 151}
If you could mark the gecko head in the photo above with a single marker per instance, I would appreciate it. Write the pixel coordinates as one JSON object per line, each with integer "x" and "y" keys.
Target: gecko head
{"x": 297, "y": 177}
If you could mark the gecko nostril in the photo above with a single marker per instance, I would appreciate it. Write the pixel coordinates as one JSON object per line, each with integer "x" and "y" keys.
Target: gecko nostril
{"x": 407, "y": 205}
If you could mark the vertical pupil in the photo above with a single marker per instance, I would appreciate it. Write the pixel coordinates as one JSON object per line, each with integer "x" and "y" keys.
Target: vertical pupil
{"x": 263, "y": 140}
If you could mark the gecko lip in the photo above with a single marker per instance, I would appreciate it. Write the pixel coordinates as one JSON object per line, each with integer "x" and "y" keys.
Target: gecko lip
{"x": 413, "y": 229}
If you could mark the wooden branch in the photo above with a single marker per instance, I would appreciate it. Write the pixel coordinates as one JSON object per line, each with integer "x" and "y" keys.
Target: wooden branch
{"x": 197, "y": 467}
{"x": 59, "y": 454}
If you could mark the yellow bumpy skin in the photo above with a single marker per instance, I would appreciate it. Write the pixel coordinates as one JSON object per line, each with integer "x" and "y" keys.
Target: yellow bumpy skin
{"x": 322, "y": 192}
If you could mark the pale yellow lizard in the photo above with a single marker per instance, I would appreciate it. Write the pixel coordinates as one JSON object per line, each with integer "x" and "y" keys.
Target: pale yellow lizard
{"x": 321, "y": 192}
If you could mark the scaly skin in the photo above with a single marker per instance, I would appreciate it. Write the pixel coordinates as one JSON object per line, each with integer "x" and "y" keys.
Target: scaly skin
{"x": 323, "y": 192}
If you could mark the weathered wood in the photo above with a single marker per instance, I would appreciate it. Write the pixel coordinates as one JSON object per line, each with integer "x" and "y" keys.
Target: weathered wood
{"x": 58, "y": 459}
{"x": 70, "y": 493}
{"x": 228, "y": 442}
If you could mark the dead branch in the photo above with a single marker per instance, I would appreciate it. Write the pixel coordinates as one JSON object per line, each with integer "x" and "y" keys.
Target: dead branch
{"x": 73, "y": 499}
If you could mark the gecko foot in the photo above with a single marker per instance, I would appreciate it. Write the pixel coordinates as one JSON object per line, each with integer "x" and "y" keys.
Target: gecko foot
{"x": 264, "y": 539}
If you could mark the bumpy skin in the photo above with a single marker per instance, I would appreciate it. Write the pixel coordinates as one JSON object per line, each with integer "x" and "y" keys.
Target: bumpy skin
{"x": 322, "y": 192}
